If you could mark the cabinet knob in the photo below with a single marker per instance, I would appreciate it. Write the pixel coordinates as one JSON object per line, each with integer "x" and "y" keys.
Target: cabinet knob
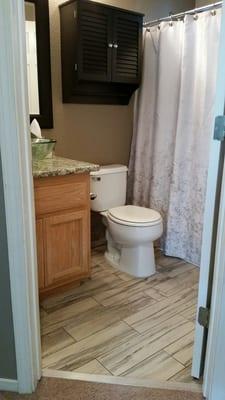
{"x": 115, "y": 46}
{"x": 110, "y": 45}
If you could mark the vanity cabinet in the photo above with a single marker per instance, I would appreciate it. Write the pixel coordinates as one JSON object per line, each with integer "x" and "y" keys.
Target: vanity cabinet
{"x": 101, "y": 48}
{"x": 63, "y": 230}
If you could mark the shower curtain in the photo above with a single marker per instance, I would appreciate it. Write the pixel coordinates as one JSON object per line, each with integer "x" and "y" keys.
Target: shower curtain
{"x": 173, "y": 124}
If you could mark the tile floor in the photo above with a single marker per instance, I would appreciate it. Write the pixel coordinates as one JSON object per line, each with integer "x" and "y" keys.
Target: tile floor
{"x": 117, "y": 325}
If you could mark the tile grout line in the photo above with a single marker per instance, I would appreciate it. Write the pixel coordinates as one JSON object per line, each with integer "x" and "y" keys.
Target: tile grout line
{"x": 104, "y": 367}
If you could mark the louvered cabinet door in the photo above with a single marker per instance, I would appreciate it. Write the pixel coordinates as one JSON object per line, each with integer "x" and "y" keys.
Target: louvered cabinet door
{"x": 127, "y": 47}
{"x": 95, "y": 38}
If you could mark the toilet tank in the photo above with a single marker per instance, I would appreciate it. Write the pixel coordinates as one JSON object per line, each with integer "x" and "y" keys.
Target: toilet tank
{"x": 109, "y": 184}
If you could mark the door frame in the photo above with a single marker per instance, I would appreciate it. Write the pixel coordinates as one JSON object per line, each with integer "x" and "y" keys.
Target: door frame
{"x": 19, "y": 199}
{"x": 211, "y": 215}
{"x": 213, "y": 382}
{"x": 20, "y": 219}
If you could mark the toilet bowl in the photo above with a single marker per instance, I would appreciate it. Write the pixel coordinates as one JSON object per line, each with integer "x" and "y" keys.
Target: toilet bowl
{"x": 130, "y": 234}
{"x": 130, "y": 230}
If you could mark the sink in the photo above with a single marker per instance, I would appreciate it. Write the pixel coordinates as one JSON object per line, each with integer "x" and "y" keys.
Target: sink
{"x": 41, "y": 148}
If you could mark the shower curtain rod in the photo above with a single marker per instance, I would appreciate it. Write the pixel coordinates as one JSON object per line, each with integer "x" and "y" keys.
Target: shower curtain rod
{"x": 182, "y": 15}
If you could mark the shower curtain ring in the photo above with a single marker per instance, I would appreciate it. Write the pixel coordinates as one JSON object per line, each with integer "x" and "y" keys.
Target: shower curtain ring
{"x": 195, "y": 17}
{"x": 213, "y": 12}
{"x": 171, "y": 19}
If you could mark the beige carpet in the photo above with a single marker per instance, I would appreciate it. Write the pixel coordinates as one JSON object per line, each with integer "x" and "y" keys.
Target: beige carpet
{"x": 61, "y": 389}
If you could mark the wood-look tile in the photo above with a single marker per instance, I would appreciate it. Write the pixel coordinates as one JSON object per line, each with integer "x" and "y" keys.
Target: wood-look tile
{"x": 125, "y": 277}
{"x": 87, "y": 289}
{"x": 55, "y": 341}
{"x": 141, "y": 319}
{"x": 93, "y": 367}
{"x": 155, "y": 294}
{"x": 87, "y": 349}
{"x": 104, "y": 317}
{"x": 173, "y": 269}
{"x": 131, "y": 353}
{"x": 120, "y": 325}
{"x": 184, "y": 376}
{"x": 181, "y": 268}
{"x": 165, "y": 261}
{"x": 190, "y": 313}
{"x": 60, "y": 317}
{"x": 182, "y": 350}
{"x": 186, "y": 279}
{"x": 147, "y": 312}
{"x": 43, "y": 313}
{"x": 160, "y": 314}
{"x": 160, "y": 367}
{"x": 118, "y": 293}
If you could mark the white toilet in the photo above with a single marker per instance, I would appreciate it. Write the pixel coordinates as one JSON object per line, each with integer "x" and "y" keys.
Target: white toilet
{"x": 131, "y": 230}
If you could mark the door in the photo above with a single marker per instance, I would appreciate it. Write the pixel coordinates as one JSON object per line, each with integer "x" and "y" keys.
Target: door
{"x": 95, "y": 42}
{"x": 127, "y": 47}
{"x": 211, "y": 218}
{"x": 67, "y": 246}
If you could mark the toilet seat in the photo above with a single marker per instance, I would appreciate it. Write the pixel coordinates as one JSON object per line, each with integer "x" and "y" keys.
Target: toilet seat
{"x": 134, "y": 216}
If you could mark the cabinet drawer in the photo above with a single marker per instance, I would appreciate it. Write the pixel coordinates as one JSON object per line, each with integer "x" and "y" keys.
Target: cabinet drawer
{"x": 59, "y": 193}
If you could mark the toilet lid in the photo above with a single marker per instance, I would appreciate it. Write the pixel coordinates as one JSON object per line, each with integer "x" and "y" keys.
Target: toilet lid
{"x": 133, "y": 215}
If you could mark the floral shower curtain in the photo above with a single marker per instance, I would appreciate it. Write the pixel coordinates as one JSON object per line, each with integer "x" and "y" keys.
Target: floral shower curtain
{"x": 173, "y": 125}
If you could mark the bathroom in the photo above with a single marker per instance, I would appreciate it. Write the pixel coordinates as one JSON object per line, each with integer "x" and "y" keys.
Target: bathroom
{"x": 135, "y": 320}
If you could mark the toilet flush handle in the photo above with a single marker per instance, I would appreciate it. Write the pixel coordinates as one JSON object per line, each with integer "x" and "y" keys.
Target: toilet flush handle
{"x": 93, "y": 196}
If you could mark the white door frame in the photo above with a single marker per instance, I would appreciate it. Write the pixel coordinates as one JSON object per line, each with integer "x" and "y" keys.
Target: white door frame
{"x": 209, "y": 215}
{"x": 18, "y": 193}
{"x": 214, "y": 373}
{"x": 20, "y": 216}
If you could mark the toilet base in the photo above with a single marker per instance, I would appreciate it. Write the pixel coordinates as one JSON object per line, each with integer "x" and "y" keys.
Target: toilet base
{"x": 136, "y": 261}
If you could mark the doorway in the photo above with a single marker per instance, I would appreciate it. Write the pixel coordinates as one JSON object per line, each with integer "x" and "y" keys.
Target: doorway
{"x": 14, "y": 285}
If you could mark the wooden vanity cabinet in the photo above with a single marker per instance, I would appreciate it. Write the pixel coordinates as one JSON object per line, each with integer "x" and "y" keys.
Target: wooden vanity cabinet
{"x": 63, "y": 230}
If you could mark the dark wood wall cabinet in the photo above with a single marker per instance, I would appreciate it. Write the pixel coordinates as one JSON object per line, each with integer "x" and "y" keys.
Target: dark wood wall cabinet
{"x": 101, "y": 50}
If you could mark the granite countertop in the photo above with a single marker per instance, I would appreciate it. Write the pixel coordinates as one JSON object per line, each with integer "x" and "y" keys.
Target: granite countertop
{"x": 56, "y": 166}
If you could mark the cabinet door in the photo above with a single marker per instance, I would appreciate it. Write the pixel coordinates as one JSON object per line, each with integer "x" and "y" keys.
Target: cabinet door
{"x": 95, "y": 38}
{"x": 127, "y": 49}
{"x": 40, "y": 253}
{"x": 67, "y": 246}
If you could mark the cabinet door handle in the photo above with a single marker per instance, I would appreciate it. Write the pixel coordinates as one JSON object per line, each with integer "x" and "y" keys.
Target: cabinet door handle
{"x": 115, "y": 46}
{"x": 110, "y": 45}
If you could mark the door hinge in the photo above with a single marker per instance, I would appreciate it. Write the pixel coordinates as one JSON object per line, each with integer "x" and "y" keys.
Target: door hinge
{"x": 219, "y": 129}
{"x": 203, "y": 316}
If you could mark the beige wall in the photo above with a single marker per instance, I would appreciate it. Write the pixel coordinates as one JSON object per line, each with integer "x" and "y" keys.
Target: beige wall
{"x": 96, "y": 133}
{"x": 200, "y": 3}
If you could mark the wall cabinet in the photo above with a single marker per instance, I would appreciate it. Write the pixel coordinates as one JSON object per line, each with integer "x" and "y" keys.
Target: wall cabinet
{"x": 63, "y": 230}
{"x": 101, "y": 49}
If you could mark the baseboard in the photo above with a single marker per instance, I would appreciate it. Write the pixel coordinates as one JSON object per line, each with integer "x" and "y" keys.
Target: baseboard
{"x": 113, "y": 380}
{"x": 9, "y": 385}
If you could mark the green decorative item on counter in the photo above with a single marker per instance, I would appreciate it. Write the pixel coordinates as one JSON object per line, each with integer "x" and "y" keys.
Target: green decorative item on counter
{"x": 41, "y": 148}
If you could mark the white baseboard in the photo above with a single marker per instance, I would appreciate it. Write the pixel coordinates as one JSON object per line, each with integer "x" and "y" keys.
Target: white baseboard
{"x": 9, "y": 385}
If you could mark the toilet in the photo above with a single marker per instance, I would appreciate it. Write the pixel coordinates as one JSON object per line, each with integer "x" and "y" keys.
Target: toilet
{"x": 130, "y": 230}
